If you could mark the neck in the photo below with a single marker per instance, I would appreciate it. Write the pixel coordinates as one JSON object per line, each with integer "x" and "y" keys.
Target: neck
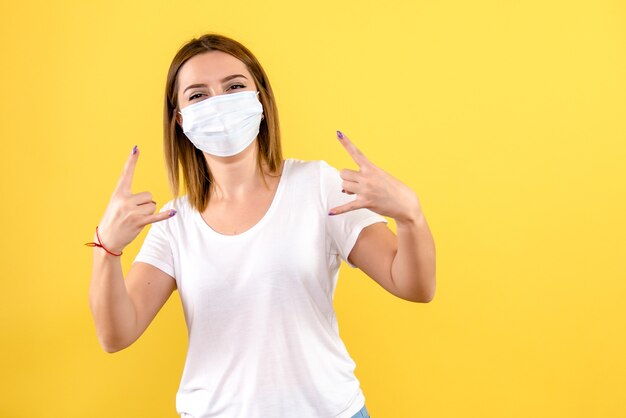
{"x": 235, "y": 177}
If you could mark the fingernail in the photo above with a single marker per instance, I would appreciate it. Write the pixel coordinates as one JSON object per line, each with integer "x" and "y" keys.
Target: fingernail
{"x": 343, "y": 191}
{"x": 339, "y": 135}
{"x": 172, "y": 212}
{"x": 153, "y": 202}
{"x": 135, "y": 150}
{"x": 331, "y": 213}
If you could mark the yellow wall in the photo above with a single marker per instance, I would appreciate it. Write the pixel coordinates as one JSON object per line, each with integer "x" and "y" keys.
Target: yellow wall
{"x": 507, "y": 118}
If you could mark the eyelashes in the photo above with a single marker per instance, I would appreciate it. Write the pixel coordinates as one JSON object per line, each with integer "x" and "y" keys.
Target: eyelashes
{"x": 197, "y": 95}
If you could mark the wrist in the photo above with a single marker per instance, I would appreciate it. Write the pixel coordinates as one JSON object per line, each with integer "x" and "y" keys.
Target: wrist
{"x": 410, "y": 220}
{"x": 103, "y": 255}
{"x": 98, "y": 243}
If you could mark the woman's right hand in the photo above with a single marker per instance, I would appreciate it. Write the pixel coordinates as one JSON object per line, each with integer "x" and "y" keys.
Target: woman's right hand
{"x": 128, "y": 213}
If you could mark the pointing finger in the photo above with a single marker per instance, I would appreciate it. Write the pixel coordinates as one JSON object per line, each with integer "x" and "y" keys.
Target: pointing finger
{"x": 354, "y": 152}
{"x": 126, "y": 179}
{"x": 157, "y": 217}
{"x": 345, "y": 208}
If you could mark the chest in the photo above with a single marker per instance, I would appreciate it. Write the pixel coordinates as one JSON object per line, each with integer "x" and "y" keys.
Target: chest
{"x": 237, "y": 216}
{"x": 288, "y": 258}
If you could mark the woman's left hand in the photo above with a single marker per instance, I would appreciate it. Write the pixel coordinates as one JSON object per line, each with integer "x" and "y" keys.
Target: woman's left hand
{"x": 376, "y": 189}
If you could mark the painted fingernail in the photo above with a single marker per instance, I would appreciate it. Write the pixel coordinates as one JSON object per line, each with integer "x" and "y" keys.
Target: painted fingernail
{"x": 343, "y": 191}
{"x": 172, "y": 212}
{"x": 135, "y": 150}
{"x": 339, "y": 135}
{"x": 331, "y": 213}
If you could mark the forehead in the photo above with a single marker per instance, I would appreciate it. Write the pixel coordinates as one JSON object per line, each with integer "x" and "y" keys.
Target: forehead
{"x": 210, "y": 67}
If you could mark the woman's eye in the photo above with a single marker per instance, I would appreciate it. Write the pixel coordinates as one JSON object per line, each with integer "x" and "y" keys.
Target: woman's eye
{"x": 233, "y": 87}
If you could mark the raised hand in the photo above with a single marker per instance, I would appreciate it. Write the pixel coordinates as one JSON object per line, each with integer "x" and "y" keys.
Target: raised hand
{"x": 375, "y": 189}
{"x": 127, "y": 213}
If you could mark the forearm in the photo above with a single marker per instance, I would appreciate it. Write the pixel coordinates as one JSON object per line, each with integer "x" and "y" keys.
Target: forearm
{"x": 413, "y": 267}
{"x": 112, "y": 309}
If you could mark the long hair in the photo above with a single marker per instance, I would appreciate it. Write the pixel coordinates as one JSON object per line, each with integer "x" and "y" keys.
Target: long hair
{"x": 178, "y": 150}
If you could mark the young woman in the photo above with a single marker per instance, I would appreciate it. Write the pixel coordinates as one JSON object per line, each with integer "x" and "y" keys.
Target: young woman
{"x": 253, "y": 248}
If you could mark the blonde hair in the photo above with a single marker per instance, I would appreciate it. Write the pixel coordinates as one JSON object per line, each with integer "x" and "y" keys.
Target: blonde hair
{"x": 177, "y": 147}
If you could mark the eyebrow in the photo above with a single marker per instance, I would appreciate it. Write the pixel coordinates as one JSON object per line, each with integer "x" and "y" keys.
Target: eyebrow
{"x": 225, "y": 79}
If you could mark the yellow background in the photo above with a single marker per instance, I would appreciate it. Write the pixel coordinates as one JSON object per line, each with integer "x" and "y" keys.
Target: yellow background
{"x": 507, "y": 118}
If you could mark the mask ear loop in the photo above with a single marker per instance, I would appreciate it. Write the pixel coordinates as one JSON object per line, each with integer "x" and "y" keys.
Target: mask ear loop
{"x": 262, "y": 115}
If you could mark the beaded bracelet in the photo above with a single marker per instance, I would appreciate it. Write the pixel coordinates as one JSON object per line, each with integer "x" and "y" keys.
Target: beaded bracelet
{"x": 99, "y": 244}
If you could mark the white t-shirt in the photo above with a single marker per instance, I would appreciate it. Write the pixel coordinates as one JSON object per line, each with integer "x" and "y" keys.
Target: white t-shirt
{"x": 263, "y": 336}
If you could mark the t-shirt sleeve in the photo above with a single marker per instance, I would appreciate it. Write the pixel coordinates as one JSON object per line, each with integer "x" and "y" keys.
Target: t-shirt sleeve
{"x": 157, "y": 249}
{"x": 344, "y": 229}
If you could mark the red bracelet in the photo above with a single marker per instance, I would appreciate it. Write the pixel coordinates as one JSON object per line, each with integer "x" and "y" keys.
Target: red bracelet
{"x": 99, "y": 244}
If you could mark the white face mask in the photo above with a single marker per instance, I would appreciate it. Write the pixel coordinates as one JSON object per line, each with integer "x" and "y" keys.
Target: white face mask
{"x": 223, "y": 125}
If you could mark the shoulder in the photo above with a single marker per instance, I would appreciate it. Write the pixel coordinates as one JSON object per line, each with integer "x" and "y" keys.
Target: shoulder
{"x": 183, "y": 209}
{"x": 311, "y": 168}
{"x": 318, "y": 171}
{"x": 316, "y": 177}
{"x": 180, "y": 204}
{"x": 313, "y": 174}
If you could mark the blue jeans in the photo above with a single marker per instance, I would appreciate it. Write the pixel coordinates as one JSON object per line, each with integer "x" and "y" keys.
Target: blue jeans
{"x": 362, "y": 413}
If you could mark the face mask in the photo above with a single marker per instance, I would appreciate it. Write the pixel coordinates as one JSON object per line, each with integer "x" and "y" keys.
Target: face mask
{"x": 223, "y": 125}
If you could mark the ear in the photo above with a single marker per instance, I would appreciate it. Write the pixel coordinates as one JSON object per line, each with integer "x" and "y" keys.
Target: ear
{"x": 179, "y": 119}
